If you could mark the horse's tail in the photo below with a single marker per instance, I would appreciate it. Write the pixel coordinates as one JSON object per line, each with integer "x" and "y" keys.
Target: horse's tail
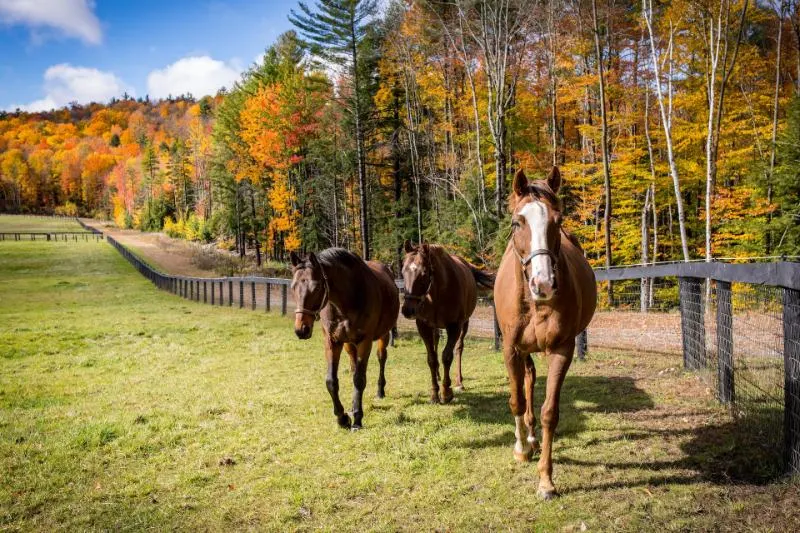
{"x": 393, "y": 335}
{"x": 482, "y": 278}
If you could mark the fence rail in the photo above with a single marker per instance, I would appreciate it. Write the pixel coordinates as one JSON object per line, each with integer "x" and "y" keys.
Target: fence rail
{"x": 63, "y": 236}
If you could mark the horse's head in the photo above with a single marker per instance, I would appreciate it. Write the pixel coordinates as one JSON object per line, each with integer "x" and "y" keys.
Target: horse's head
{"x": 536, "y": 231}
{"x": 310, "y": 291}
{"x": 417, "y": 277}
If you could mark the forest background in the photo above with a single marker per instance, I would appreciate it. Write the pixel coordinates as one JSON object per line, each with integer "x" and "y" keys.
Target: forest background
{"x": 676, "y": 126}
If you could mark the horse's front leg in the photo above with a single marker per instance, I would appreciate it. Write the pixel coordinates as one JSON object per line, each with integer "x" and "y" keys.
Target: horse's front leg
{"x": 558, "y": 364}
{"x": 333, "y": 351}
{"x": 360, "y": 380}
{"x": 429, "y": 335}
{"x": 515, "y": 367}
{"x": 530, "y": 416}
{"x": 453, "y": 333}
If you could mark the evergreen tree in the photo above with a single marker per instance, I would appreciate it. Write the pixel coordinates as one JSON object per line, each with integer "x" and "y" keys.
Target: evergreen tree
{"x": 333, "y": 33}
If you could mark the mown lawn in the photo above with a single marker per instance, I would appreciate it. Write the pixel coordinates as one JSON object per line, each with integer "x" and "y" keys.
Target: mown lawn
{"x": 25, "y": 223}
{"x": 122, "y": 407}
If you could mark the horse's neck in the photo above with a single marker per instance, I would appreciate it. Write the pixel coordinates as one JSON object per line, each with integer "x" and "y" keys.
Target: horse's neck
{"x": 441, "y": 269}
{"x": 343, "y": 285}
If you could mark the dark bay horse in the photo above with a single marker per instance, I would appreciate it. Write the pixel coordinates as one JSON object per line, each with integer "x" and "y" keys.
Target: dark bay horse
{"x": 357, "y": 303}
{"x": 441, "y": 291}
{"x": 545, "y": 294}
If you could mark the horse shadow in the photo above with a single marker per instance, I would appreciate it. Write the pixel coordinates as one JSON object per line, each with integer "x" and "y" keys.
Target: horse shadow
{"x": 746, "y": 448}
{"x": 581, "y": 396}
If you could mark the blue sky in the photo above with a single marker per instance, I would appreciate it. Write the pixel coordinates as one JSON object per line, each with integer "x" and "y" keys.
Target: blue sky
{"x": 56, "y": 51}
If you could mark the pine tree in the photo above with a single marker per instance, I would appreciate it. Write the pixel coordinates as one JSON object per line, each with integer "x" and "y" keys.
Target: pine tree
{"x": 333, "y": 33}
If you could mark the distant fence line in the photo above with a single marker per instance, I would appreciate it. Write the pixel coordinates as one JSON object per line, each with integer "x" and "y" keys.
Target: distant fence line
{"x": 89, "y": 233}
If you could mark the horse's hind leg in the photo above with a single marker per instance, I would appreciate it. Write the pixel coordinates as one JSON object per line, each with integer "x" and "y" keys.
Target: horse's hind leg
{"x": 360, "y": 381}
{"x": 459, "y": 386}
{"x": 559, "y": 361}
{"x": 383, "y": 353}
{"x": 333, "y": 352}
{"x": 453, "y": 334}
{"x": 429, "y": 336}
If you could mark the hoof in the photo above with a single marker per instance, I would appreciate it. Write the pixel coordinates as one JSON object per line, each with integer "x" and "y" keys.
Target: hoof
{"x": 524, "y": 457}
{"x": 381, "y": 395}
{"x": 447, "y": 397}
{"x": 434, "y": 399}
{"x": 356, "y": 427}
{"x": 344, "y": 421}
{"x": 534, "y": 446}
{"x": 459, "y": 388}
{"x": 547, "y": 495}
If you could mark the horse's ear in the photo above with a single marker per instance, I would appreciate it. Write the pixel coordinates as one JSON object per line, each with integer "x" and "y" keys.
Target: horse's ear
{"x": 424, "y": 247}
{"x": 312, "y": 257}
{"x": 554, "y": 179}
{"x": 520, "y": 183}
{"x": 408, "y": 247}
{"x": 295, "y": 258}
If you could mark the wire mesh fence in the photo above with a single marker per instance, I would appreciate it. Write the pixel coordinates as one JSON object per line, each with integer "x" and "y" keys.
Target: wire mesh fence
{"x": 741, "y": 337}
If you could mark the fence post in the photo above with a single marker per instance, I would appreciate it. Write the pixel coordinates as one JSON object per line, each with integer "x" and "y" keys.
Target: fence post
{"x": 253, "y": 295}
{"x": 496, "y": 326}
{"x": 205, "y": 291}
{"x": 241, "y": 294}
{"x": 692, "y": 323}
{"x": 230, "y": 292}
{"x": 582, "y": 345}
{"x": 725, "y": 385}
{"x": 283, "y": 299}
{"x": 267, "y": 298}
{"x": 221, "y": 293}
{"x": 791, "y": 385}
{"x": 191, "y": 289}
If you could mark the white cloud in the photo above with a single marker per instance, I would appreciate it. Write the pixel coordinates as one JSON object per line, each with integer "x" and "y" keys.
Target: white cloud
{"x": 64, "y": 83}
{"x": 198, "y": 75}
{"x": 74, "y": 18}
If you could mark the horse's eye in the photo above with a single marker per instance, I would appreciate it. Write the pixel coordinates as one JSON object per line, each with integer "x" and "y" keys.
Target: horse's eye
{"x": 514, "y": 224}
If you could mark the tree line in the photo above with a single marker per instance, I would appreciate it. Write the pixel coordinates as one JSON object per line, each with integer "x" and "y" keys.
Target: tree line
{"x": 676, "y": 126}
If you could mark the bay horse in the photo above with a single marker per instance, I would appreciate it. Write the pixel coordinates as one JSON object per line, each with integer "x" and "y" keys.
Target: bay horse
{"x": 545, "y": 295}
{"x": 441, "y": 291}
{"x": 357, "y": 303}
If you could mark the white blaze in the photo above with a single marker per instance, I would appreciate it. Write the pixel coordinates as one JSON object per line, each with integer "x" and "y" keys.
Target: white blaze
{"x": 536, "y": 215}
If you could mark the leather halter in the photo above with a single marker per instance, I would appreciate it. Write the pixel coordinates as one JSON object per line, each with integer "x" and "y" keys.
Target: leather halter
{"x": 315, "y": 314}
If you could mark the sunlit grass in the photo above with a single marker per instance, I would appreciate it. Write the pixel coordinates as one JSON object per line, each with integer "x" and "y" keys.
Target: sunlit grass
{"x": 122, "y": 407}
{"x": 25, "y": 223}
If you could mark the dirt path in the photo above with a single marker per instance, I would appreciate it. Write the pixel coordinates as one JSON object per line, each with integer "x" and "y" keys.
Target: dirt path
{"x": 172, "y": 256}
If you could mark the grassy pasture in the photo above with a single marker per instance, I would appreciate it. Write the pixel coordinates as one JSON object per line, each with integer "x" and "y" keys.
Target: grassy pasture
{"x": 25, "y": 223}
{"x": 122, "y": 407}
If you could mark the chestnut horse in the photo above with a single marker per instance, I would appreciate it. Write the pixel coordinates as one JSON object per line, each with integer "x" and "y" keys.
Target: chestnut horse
{"x": 544, "y": 295}
{"x": 441, "y": 292}
{"x": 357, "y": 303}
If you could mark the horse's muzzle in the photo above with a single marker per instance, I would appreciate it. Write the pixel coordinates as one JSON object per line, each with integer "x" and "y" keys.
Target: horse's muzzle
{"x": 409, "y": 310}
{"x": 303, "y": 332}
{"x": 542, "y": 288}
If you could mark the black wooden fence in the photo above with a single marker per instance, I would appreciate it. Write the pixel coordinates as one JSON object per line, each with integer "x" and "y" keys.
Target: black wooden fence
{"x": 736, "y": 324}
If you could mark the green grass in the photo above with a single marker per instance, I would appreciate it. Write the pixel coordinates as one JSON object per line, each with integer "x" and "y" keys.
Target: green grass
{"x": 122, "y": 407}
{"x": 25, "y": 223}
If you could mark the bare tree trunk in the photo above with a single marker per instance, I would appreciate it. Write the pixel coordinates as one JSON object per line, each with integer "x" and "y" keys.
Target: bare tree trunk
{"x": 647, "y": 13}
{"x": 773, "y": 147}
{"x": 604, "y": 145}
{"x": 643, "y": 294}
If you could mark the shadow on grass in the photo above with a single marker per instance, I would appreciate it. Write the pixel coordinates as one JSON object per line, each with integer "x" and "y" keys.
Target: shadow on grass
{"x": 744, "y": 449}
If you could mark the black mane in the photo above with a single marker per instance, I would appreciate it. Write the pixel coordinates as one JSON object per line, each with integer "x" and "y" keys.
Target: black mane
{"x": 340, "y": 256}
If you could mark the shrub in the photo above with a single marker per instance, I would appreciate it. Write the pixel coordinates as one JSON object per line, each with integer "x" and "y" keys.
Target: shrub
{"x": 69, "y": 209}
